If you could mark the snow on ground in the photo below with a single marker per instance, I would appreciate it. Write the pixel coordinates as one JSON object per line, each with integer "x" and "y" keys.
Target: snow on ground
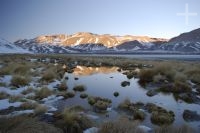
{"x": 6, "y": 79}
{"x": 6, "y": 104}
{"x": 52, "y": 98}
{"x": 14, "y": 91}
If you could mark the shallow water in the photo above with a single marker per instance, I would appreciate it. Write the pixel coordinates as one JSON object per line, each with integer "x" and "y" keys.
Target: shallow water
{"x": 104, "y": 82}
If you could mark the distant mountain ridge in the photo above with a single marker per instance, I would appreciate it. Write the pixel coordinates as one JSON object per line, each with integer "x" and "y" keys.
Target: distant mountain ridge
{"x": 85, "y": 42}
{"x": 7, "y": 47}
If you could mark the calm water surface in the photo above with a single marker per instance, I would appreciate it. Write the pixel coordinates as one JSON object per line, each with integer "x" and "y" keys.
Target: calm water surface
{"x": 103, "y": 82}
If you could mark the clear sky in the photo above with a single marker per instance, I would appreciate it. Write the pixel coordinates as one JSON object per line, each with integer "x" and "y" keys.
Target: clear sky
{"x": 21, "y": 19}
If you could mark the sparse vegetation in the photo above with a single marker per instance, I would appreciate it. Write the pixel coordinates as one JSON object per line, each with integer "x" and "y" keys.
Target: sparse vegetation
{"x": 28, "y": 105}
{"x": 125, "y": 83}
{"x": 83, "y": 95}
{"x": 25, "y": 124}
{"x": 48, "y": 76}
{"x": 70, "y": 121}
{"x": 172, "y": 129}
{"x": 79, "y": 88}
{"x": 122, "y": 125}
{"x": 40, "y": 109}
{"x": 116, "y": 94}
{"x": 28, "y": 91}
{"x": 18, "y": 81}
{"x": 3, "y": 95}
{"x": 69, "y": 94}
{"x": 43, "y": 93}
{"x": 62, "y": 86}
{"x": 15, "y": 98}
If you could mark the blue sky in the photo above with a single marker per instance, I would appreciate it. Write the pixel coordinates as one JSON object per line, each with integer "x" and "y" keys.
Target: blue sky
{"x": 21, "y": 19}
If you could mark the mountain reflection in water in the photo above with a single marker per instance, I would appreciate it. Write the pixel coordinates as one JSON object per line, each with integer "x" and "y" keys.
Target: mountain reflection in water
{"x": 84, "y": 71}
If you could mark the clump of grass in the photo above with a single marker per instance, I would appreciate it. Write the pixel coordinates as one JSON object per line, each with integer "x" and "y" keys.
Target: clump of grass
{"x": 172, "y": 129}
{"x": 28, "y": 91}
{"x": 2, "y": 84}
{"x": 22, "y": 69}
{"x": 40, "y": 109}
{"x": 83, "y": 95}
{"x": 62, "y": 86}
{"x": 18, "y": 81}
{"x": 162, "y": 118}
{"x": 125, "y": 83}
{"x": 15, "y": 98}
{"x": 116, "y": 94}
{"x": 43, "y": 93}
{"x": 28, "y": 105}
{"x": 48, "y": 76}
{"x": 25, "y": 124}
{"x": 79, "y": 88}
{"x": 76, "y": 108}
{"x": 125, "y": 104}
{"x": 5, "y": 70}
{"x": 3, "y": 95}
{"x": 138, "y": 115}
{"x": 72, "y": 122}
{"x": 69, "y": 94}
{"x": 122, "y": 125}
{"x": 159, "y": 115}
{"x": 99, "y": 104}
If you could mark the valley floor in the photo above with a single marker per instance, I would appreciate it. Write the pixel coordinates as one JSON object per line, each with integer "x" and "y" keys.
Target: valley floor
{"x": 99, "y": 94}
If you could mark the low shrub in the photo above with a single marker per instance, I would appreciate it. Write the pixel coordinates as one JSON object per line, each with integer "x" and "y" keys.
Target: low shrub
{"x": 79, "y": 88}
{"x": 28, "y": 91}
{"x": 62, "y": 86}
{"x": 83, "y": 95}
{"x": 48, "y": 76}
{"x": 162, "y": 118}
{"x": 18, "y": 81}
{"x": 69, "y": 95}
{"x": 122, "y": 125}
{"x": 40, "y": 109}
{"x": 43, "y": 93}
{"x": 72, "y": 122}
{"x": 15, "y": 98}
{"x": 116, "y": 94}
{"x": 125, "y": 83}
{"x": 25, "y": 124}
{"x": 138, "y": 115}
{"x": 3, "y": 95}
{"x": 172, "y": 129}
{"x": 28, "y": 105}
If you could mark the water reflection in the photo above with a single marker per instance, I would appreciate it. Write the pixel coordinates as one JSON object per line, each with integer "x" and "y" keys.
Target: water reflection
{"x": 98, "y": 82}
{"x": 84, "y": 71}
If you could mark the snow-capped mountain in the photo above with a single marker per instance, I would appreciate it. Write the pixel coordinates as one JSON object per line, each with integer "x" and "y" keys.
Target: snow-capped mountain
{"x": 7, "y": 47}
{"x": 186, "y": 42}
{"x": 94, "y": 43}
{"x": 87, "y": 42}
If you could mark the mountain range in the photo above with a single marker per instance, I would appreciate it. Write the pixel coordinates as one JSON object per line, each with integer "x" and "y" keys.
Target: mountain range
{"x": 85, "y": 42}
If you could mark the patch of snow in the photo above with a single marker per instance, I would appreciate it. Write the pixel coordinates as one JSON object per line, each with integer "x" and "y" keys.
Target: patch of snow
{"x": 14, "y": 91}
{"x": 6, "y": 79}
{"x": 145, "y": 128}
{"x": 78, "y": 42}
{"x": 194, "y": 48}
{"x": 15, "y": 113}
{"x": 91, "y": 130}
{"x": 109, "y": 109}
{"x": 136, "y": 48}
{"x": 92, "y": 116}
{"x": 52, "y": 85}
{"x": 4, "y": 104}
{"x": 97, "y": 39}
{"x": 52, "y": 98}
